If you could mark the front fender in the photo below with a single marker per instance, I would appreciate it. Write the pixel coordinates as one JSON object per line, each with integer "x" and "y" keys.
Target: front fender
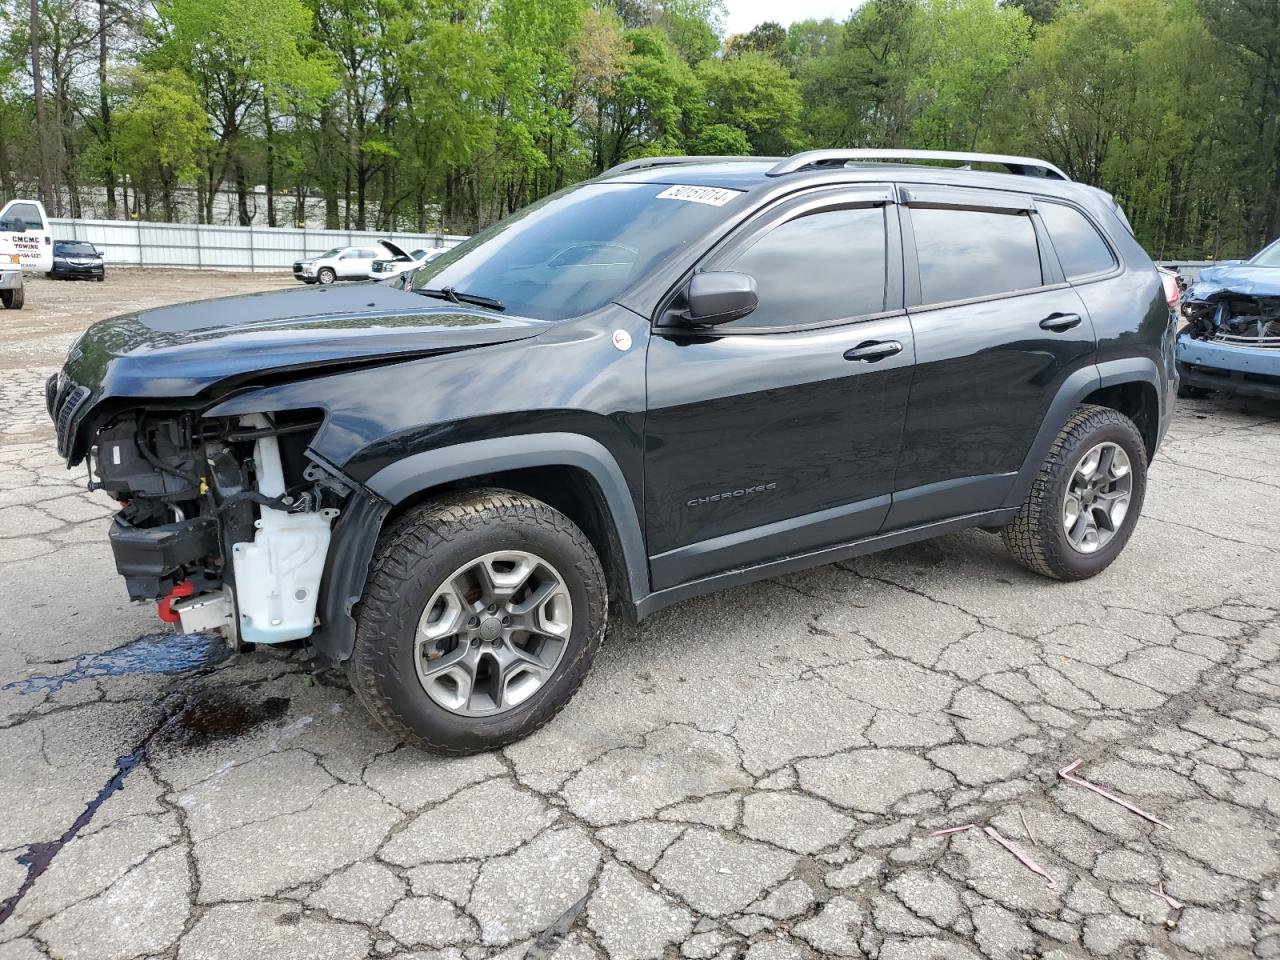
{"x": 355, "y": 535}
{"x": 405, "y": 478}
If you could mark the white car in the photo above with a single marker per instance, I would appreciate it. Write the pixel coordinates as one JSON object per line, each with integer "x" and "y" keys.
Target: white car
{"x": 344, "y": 263}
{"x": 386, "y": 269}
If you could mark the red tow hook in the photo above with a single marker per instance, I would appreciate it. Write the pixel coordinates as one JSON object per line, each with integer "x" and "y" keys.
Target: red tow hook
{"x": 183, "y": 588}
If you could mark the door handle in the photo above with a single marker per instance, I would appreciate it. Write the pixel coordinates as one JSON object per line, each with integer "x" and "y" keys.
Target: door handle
{"x": 869, "y": 351}
{"x": 1058, "y": 322}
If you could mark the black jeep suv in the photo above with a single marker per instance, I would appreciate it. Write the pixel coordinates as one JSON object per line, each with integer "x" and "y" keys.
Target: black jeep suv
{"x": 685, "y": 374}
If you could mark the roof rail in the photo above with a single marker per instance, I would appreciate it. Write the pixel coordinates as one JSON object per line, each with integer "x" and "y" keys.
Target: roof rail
{"x": 1022, "y": 166}
{"x": 642, "y": 163}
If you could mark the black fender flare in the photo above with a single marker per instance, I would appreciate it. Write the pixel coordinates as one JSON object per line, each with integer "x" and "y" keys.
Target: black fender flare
{"x": 1078, "y": 385}
{"x": 398, "y": 481}
{"x": 356, "y": 531}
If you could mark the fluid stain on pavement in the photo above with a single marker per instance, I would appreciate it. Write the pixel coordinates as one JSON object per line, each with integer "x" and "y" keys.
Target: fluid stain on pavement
{"x": 152, "y": 653}
{"x": 221, "y": 715}
{"x": 197, "y": 721}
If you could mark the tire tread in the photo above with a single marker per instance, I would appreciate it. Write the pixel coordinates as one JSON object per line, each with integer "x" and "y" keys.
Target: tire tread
{"x": 1030, "y": 538}
{"x": 402, "y": 551}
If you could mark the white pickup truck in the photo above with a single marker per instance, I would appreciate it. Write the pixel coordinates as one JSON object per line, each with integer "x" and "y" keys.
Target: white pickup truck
{"x": 25, "y": 244}
{"x": 12, "y": 295}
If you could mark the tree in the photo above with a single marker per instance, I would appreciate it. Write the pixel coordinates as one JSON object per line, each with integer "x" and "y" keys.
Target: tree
{"x": 1250, "y": 29}
{"x": 1040, "y": 11}
{"x": 162, "y": 132}
{"x": 755, "y": 94}
{"x": 769, "y": 38}
{"x": 967, "y": 47}
{"x": 452, "y": 113}
{"x": 693, "y": 26}
{"x": 652, "y": 101}
{"x": 857, "y": 94}
{"x": 239, "y": 51}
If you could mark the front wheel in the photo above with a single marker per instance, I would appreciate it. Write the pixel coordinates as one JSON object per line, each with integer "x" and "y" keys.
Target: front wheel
{"x": 326, "y": 276}
{"x": 482, "y": 614}
{"x": 1086, "y": 499}
{"x": 13, "y": 299}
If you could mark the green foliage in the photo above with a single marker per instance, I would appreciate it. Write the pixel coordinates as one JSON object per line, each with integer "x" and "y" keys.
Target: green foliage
{"x": 720, "y": 140}
{"x": 452, "y": 113}
{"x": 768, "y": 38}
{"x": 755, "y": 94}
{"x": 966, "y": 49}
{"x": 162, "y": 130}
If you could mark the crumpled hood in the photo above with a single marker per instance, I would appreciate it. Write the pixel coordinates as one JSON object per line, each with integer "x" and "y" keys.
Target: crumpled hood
{"x": 1238, "y": 278}
{"x": 181, "y": 351}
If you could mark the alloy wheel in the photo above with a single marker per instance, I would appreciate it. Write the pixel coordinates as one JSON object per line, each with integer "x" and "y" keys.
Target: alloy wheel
{"x": 493, "y": 633}
{"x": 1097, "y": 497}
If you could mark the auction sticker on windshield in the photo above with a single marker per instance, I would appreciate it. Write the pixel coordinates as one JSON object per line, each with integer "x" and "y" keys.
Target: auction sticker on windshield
{"x": 715, "y": 196}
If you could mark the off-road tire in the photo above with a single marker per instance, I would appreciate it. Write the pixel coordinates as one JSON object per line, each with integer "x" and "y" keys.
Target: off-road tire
{"x": 1036, "y": 537}
{"x": 326, "y": 276}
{"x": 415, "y": 553}
{"x": 13, "y": 299}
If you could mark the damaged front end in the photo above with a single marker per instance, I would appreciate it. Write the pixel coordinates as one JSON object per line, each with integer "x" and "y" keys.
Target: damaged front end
{"x": 1232, "y": 337}
{"x": 1229, "y": 317}
{"x": 226, "y": 522}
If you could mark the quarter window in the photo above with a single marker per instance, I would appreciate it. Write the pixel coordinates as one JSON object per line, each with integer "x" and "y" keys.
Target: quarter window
{"x": 824, "y": 266}
{"x": 1080, "y": 249}
{"x": 974, "y": 253}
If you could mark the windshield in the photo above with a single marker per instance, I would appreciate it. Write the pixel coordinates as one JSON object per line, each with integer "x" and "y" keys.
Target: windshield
{"x": 330, "y": 253}
{"x": 1268, "y": 257}
{"x": 77, "y": 249}
{"x": 576, "y": 250}
{"x": 21, "y": 218}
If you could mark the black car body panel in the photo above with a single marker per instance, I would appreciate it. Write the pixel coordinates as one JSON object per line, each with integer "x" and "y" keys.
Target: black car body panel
{"x": 181, "y": 353}
{"x": 710, "y": 456}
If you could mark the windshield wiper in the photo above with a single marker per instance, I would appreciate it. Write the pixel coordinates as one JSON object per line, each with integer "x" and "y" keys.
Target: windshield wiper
{"x": 457, "y": 296}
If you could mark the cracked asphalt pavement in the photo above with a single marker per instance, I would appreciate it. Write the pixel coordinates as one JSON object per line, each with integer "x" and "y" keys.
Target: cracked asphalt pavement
{"x": 756, "y": 774}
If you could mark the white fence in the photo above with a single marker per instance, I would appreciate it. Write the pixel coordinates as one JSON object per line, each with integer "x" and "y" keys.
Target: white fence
{"x": 141, "y": 244}
{"x": 1190, "y": 269}
{"x": 209, "y": 246}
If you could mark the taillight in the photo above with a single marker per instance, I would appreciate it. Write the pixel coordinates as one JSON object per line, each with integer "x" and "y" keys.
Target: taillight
{"x": 1171, "y": 291}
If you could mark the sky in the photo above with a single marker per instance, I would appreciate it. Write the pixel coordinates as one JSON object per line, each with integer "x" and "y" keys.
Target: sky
{"x": 745, "y": 14}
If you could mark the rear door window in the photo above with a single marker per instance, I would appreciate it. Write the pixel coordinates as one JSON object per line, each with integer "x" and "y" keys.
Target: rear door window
{"x": 965, "y": 254}
{"x": 825, "y": 266}
{"x": 1080, "y": 248}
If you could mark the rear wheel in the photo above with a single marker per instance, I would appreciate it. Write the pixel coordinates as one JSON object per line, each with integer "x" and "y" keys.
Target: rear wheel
{"x": 326, "y": 275}
{"x": 482, "y": 614}
{"x": 1085, "y": 500}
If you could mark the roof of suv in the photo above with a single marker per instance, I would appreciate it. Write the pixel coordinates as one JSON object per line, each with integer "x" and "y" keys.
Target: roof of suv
{"x": 763, "y": 174}
{"x": 749, "y": 172}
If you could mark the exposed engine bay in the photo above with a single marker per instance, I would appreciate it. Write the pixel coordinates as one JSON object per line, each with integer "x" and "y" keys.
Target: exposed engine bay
{"x": 1240, "y": 319}
{"x": 226, "y": 522}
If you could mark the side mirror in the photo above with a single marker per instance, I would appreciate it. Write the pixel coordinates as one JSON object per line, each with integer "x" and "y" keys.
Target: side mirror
{"x": 721, "y": 296}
